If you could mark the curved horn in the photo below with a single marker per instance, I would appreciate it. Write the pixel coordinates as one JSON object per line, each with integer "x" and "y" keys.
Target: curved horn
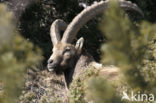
{"x": 57, "y": 26}
{"x": 90, "y": 12}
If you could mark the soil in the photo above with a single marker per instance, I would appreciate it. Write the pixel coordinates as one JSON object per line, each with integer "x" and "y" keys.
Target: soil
{"x": 43, "y": 87}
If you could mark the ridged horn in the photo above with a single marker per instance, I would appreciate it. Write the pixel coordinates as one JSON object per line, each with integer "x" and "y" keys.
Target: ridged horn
{"x": 90, "y": 12}
{"x": 57, "y": 26}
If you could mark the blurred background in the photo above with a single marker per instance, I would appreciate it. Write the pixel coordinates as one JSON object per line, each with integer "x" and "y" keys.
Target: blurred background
{"x": 25, "y": 46}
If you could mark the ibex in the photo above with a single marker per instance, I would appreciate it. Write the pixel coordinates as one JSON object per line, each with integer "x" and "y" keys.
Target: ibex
{"x": 67, "y": 57}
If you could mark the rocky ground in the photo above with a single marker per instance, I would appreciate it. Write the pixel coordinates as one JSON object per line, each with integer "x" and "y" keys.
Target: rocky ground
{"x": 43, "y": 87}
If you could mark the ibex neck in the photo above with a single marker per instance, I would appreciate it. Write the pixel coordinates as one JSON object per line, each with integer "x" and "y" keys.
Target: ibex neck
{"x": 81, "y": 62}
{"x": 84, "y": 60}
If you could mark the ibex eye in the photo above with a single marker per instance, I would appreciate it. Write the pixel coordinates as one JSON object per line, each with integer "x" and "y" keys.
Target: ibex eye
{"x": 67, "y": 50}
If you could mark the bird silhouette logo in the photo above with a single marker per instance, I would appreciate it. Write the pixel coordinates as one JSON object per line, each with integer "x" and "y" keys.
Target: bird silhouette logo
{"x": 125, "y": 96}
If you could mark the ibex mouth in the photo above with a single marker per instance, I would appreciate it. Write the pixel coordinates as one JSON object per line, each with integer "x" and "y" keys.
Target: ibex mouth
{"x": 50, "y": 68}
{"x": 54, "y": 69}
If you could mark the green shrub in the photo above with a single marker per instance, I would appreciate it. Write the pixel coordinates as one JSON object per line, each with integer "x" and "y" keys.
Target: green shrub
{"x": 16, "y": 55}
{"x": 77, "y": 87}
{"x": 127, "y": 45}
{"x": 132, "y": 48}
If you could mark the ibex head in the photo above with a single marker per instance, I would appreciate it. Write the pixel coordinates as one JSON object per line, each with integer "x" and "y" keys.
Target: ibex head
{"x": 65, "y": 53}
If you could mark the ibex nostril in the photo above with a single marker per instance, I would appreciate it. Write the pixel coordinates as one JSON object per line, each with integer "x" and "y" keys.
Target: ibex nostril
{"x": 50, "y": 61}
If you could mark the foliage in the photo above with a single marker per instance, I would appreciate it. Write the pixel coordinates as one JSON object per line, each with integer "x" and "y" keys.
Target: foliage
{"x": 100, "y": 90}
{"x": 131, "y": 48}
{"x": 128, "y": 53}
{"x": 77, "y": 87}
{"x": 16, "y": 55}
{"x": 127, "y": 47}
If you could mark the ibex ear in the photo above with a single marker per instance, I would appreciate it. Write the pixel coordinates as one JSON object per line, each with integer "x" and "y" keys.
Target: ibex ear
{"x": 79, "y": 44}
